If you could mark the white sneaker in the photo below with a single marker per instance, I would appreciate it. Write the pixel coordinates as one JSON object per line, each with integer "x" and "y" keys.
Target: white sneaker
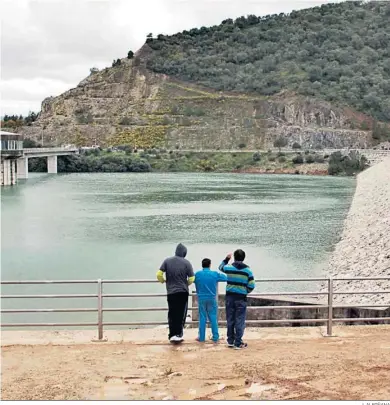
{"x": 175, "y": 339}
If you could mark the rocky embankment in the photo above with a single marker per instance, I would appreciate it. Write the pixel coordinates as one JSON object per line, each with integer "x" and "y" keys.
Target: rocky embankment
{"x": 364, "y": 248}
{"x": 131, "y": 105}
{"x": 318, "y": 169}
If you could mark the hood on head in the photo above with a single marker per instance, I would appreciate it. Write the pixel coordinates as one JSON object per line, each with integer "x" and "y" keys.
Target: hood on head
{"x": 239, "y": 265}
{"x": 181, "y": 250}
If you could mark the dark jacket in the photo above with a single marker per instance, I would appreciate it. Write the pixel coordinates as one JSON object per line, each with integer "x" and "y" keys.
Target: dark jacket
{"x": 179, "y": 273}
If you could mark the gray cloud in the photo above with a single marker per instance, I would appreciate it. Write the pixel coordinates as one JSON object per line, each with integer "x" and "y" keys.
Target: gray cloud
{"x": 51, "y": 44}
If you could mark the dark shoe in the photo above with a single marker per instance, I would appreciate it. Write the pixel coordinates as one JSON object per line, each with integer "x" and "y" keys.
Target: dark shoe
{"x": 242, "y": 346}
{"x": 230, "y": 344}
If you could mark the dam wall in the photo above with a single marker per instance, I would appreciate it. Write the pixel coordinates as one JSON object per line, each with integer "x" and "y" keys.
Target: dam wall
{"x": 364, "y": 246}
{"x": 362, "y": 251}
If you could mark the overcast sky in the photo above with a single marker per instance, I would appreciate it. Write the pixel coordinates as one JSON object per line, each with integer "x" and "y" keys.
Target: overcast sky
{"x": 48, "y": 46}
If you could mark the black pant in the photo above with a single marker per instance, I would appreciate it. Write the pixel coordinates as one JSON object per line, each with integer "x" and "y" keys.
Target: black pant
{"x": 177, "y": 313}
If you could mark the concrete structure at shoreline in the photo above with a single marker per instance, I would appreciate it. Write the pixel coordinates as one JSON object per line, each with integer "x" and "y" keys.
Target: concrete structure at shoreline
{"x": 14, "y": 158}
{"x": 11, "y": 149}
{"x": 364, "y": 247}
{"x": 363, "y": 251}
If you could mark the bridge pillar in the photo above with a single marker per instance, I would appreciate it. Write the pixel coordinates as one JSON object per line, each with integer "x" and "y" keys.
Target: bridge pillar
{"x": 52, "y": 164}
{"x": 8, "y": 172}
{"x": 22, "y": 168}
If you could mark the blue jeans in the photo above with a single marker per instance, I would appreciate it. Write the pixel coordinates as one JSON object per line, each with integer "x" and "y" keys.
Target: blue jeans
{"x": 235, "y": 317}
{"x": 208, "y": 308}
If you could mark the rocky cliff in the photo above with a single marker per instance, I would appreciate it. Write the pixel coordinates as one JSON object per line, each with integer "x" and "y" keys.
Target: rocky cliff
{"x": 129, "y": 104}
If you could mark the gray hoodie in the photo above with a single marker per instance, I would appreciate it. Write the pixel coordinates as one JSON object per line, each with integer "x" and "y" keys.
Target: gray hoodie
{"x": 177, "y": 270}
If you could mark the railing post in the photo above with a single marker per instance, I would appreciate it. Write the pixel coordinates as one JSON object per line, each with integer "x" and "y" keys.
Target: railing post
{"x": 330, "y": 307}
{"x": 100, "y": 309}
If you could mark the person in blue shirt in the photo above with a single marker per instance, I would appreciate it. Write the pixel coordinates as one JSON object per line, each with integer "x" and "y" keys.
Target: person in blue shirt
{"x": 206, "y": 282}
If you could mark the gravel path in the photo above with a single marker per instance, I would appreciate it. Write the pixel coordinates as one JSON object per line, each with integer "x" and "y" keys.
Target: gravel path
{"x": 364, "y": 248}
{"x": 355, "y": 365}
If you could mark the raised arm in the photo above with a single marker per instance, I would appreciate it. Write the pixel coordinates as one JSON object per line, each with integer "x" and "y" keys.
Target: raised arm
{"x": 225, "y": 261}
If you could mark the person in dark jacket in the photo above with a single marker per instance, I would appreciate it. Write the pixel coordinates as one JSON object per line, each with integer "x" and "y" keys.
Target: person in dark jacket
{"x": 179, "y": 275}
{"x": 240, "y": 282}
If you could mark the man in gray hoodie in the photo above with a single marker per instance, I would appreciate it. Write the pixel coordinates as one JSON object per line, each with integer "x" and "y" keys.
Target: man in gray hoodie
{"x": 179, "y": 274}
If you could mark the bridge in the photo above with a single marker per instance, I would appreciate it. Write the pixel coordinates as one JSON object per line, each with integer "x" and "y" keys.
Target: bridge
{"x": 50, "y": 153}
{"x": 14, "y": 158}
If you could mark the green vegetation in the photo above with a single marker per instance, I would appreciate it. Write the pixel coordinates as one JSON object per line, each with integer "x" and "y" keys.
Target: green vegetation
{"x": 193, "y": 111}
{"x": 84, "y": 118}
{"x": 16, "y": 121}
{"x": 256, "y": 157}
{"x": 338, "y": 52}
{"x": 130, "y": 55}
{"x": 141, "y": 137}
{"x": 310, "y": 159}
{"x": 117, "y": 62}
{"x": 296, "y": 145}
{"x": 280, "y": 142}
{"x": 30, "y": 143}
{"x": 125, "y": 159}
{"x": 105, "y": 162}
{"x": 380, "y": 132}
{"x": 346, "y": 165}
{"x": 298, "y": 160}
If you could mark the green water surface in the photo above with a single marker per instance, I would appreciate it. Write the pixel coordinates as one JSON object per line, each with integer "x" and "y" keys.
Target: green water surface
{"x": 122, "y": 226}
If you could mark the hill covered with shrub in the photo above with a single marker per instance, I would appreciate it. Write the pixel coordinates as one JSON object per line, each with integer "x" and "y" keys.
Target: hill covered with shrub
{"x": 336, "y": 52}
{"x": 318, "y": 78}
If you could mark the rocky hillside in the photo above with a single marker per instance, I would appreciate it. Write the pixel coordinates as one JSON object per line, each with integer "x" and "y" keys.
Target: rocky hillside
{"x": 194, "y": 90}
{"x": 129, "y": 104}
{"x": 337, "y": 52}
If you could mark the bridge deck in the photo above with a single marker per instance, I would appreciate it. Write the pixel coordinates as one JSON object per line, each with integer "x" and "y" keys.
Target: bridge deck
{"x": 280, "y": 363}
{"x": 33, "y": 152}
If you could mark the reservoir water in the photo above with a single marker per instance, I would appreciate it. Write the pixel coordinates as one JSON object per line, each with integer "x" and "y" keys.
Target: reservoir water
{"x": 122, "y": 226}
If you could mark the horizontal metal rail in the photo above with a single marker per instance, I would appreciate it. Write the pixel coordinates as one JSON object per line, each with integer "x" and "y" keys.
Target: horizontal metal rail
{"x": 360, "y": 292}
{"x": 361, "y": 319}
{"x": 124, "y": 295}
{"x": 249, "y": 322}
{"x": 361, "y": 278}
{"x": 16, "y": 311}
{"x": 149, "y": 281}
{"x": 52, "y": 296}
{"x": 15, "y": 325}
{"x": 100, "y": 309}
{"x": 136, "y": 309}
{"x": 362, "y": 306}
{"x": 50, "y": 282}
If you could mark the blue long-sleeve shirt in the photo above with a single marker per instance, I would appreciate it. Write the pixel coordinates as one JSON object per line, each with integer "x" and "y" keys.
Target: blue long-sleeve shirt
{"x": 240, "y": 277}
{"x": 206, "y": 282}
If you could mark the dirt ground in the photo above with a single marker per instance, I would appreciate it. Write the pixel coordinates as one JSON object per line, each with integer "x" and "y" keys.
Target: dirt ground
{"x": 353, "y": 366}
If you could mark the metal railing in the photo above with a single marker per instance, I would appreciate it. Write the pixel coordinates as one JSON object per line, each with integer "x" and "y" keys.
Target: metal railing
{"x": 50, "y": 150}
{"x": 100, "y": 309}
